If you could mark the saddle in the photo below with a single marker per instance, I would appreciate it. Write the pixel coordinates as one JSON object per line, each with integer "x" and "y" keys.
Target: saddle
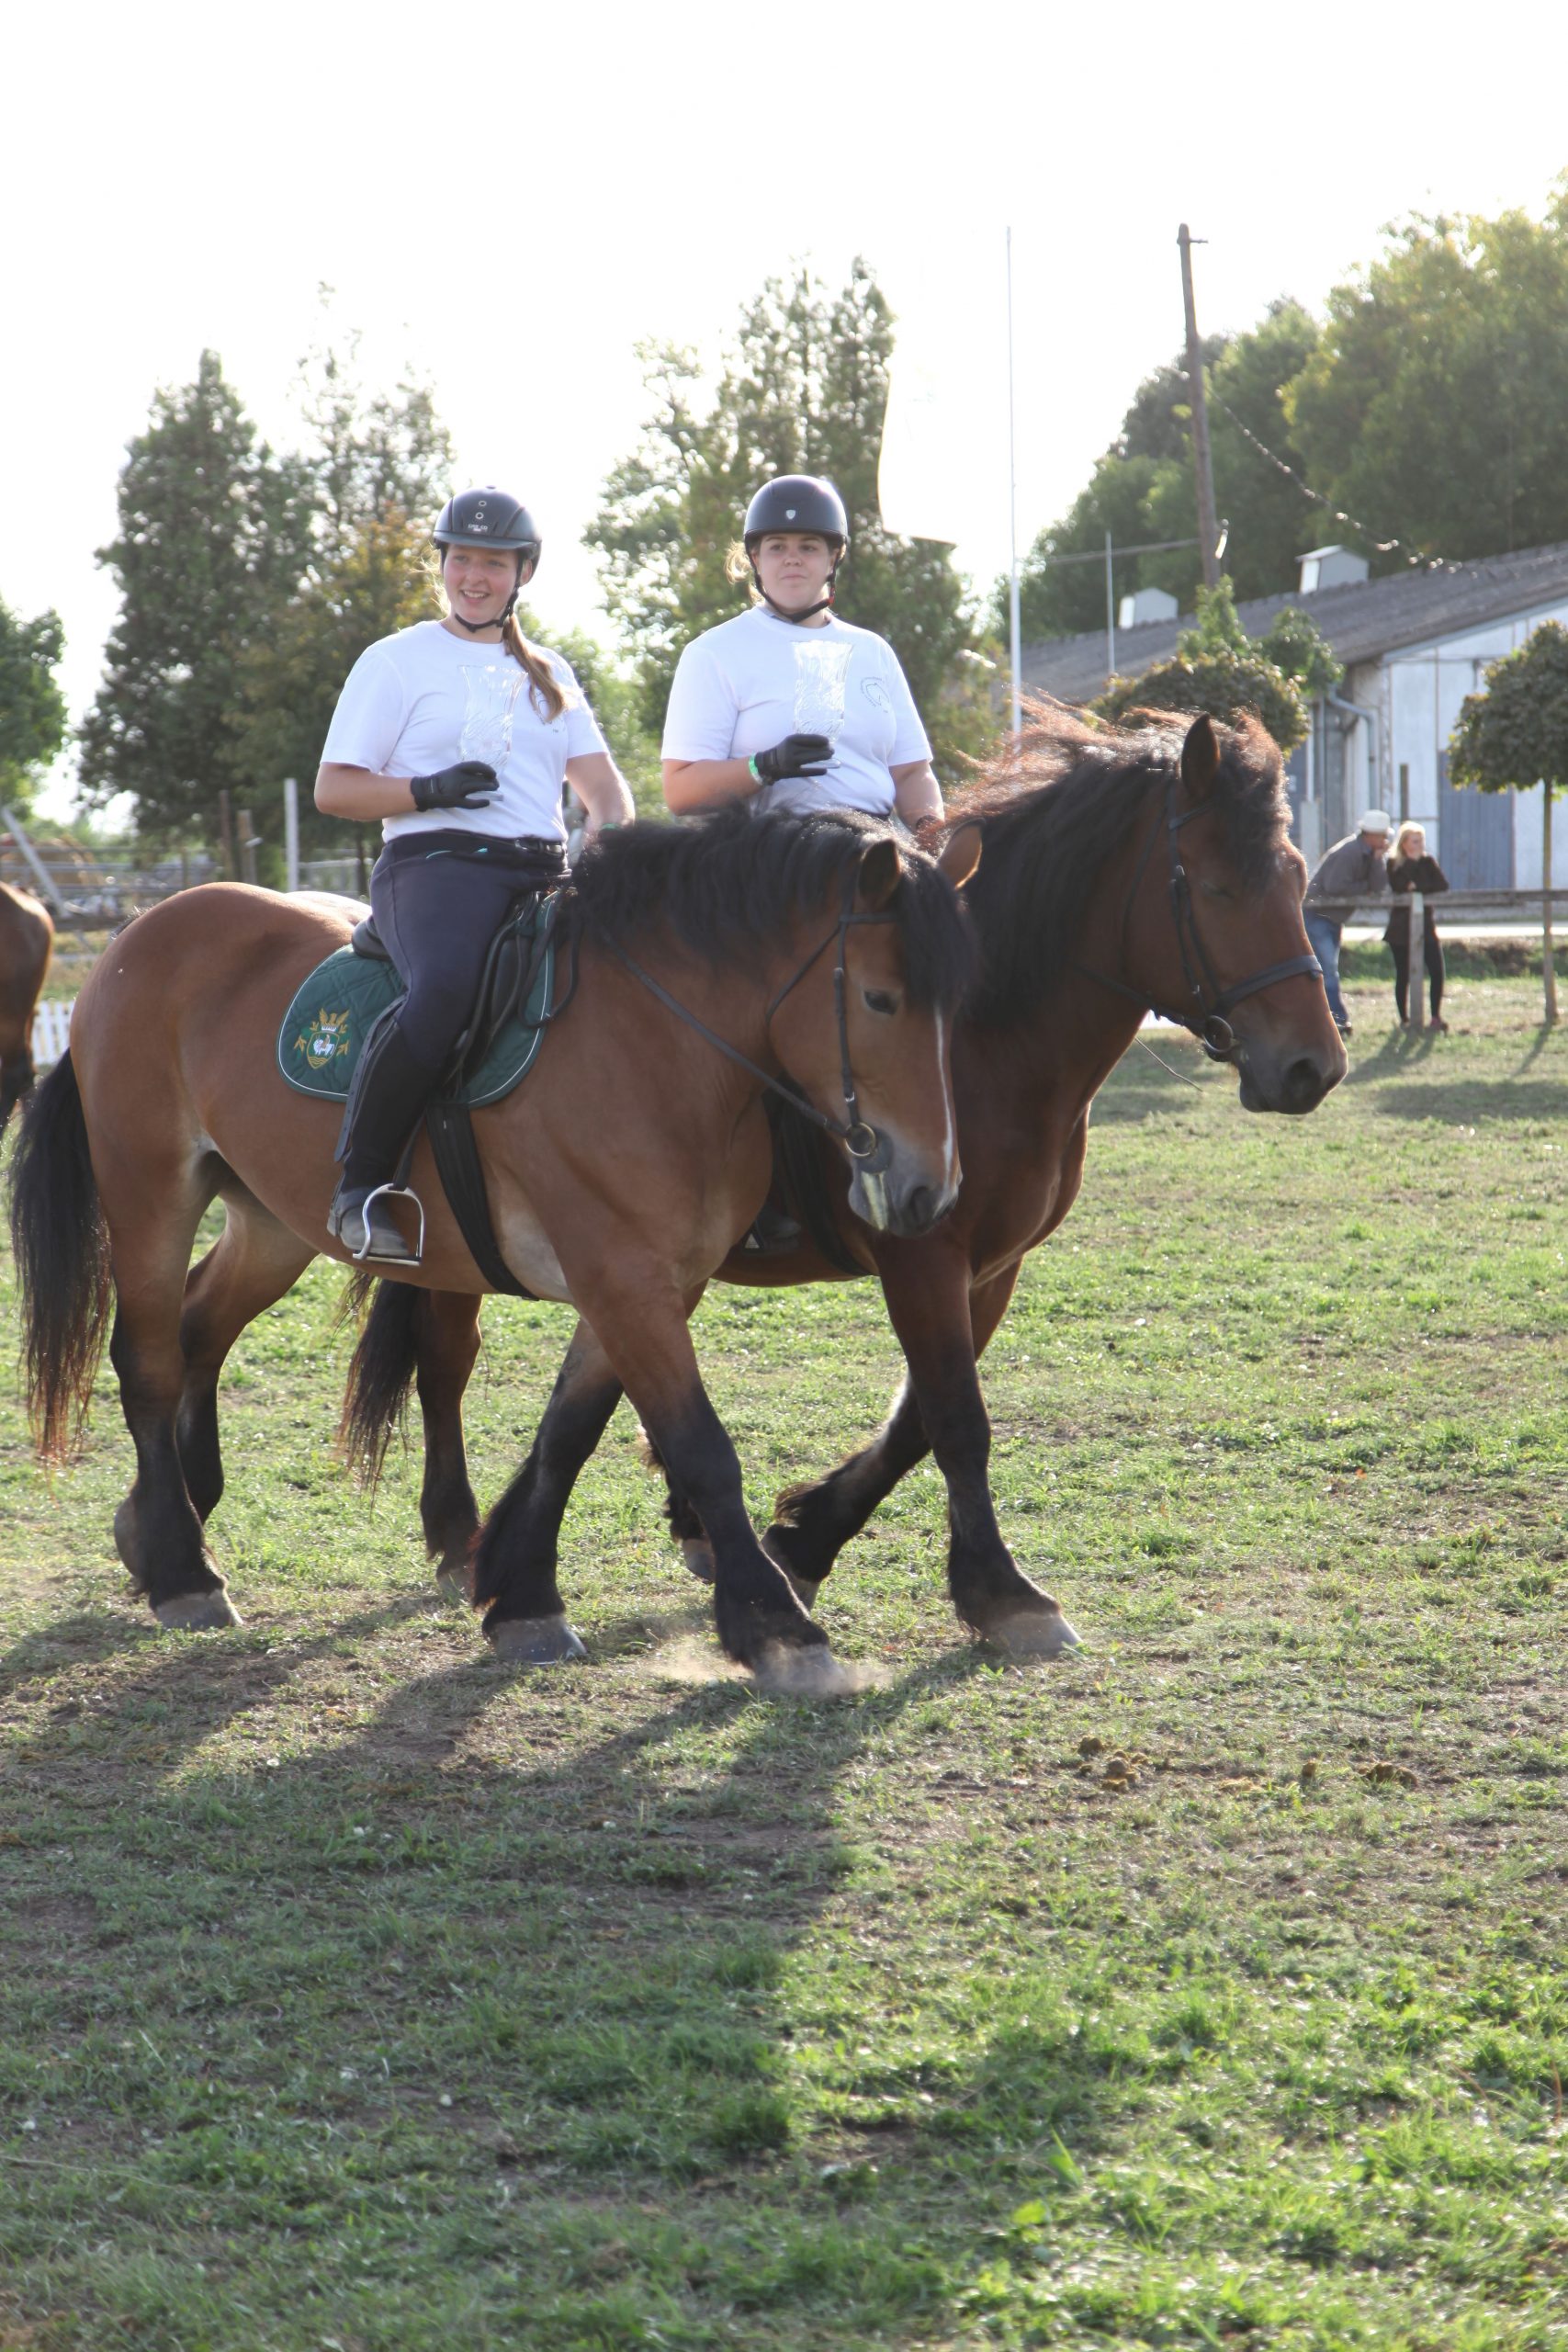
{"x": 339, "y": 1003}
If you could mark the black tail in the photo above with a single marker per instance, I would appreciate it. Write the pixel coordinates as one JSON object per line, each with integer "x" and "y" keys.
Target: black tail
{"x": 61, "y": 1249}
{"x": 375, "y": 1406}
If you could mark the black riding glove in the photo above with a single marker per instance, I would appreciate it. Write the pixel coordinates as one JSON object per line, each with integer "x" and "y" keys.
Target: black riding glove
{"x": 471, "y": 784}
{"x": 796, "y": 755}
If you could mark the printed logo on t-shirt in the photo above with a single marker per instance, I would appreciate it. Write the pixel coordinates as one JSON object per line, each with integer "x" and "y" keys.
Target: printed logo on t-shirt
{"x": 877, "y": 696}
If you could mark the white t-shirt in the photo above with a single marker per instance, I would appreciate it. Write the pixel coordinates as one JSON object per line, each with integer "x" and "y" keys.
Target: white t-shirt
{"x": 743, "y": 687}
{"x": 423, "y": 700}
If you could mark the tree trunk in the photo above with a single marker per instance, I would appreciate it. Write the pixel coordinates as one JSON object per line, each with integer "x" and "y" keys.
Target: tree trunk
{"x": 1548, "y": 963}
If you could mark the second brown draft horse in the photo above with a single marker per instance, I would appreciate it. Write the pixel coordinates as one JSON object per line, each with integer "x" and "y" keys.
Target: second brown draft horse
{"x": 707, "y": 963}
{"x": 1121, "y": 872}
{"x": 27, "y": 944}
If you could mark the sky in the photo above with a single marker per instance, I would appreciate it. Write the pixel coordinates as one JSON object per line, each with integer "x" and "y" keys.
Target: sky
{"x": 512, "y": 201}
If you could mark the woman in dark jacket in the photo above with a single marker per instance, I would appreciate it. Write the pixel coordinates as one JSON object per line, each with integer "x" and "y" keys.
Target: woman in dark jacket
{"x": 1409, "y": 869}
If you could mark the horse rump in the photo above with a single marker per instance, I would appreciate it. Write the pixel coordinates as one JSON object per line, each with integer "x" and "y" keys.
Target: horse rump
{"x": 62, "y": 1250}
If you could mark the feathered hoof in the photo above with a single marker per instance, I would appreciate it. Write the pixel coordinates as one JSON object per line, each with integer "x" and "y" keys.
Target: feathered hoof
{"x": 534, "y": 1641}
{"x": 794, "y": 1673}
{"x": 697, "y": 1553}
{"x": 1033, "y": 1632}
{"x": 197, "y": 1612}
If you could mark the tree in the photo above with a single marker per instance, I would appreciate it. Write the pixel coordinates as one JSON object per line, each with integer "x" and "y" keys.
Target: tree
{"x": 1515, "y": 733}
{"x": 289, "y": 677}
{"x": 1143, "y": 490}
{"x": 1433, "y": 408}
{"x": 1218, "y": 668}
{"x": 213, "y": 535}
{"x": 802, "y": 390}
{"x": 371, "y": 454}
{"x": 32, "y": 708}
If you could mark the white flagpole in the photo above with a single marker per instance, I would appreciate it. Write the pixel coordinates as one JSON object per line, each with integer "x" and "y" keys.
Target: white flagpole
{"x": 1012, "y": 527}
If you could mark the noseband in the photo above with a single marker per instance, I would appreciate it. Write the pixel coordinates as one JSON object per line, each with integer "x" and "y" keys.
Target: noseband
{"x": 1211, "y": 1002}
{"x": 860, "y": 1139}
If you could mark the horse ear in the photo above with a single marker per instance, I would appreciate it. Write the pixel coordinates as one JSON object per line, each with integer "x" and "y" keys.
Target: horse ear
{"x": 1201, "y": 757}
{"x": 961, "y": 853}
{"x": 881, "y": 871}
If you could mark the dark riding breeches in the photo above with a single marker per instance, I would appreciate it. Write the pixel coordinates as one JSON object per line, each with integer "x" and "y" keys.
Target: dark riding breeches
{"x": 439, "y": 900}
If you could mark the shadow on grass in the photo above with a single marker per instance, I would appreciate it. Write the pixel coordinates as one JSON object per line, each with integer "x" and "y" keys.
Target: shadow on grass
{"x": 638, "y": 1930}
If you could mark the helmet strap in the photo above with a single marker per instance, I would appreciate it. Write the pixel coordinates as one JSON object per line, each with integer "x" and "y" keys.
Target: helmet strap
{"x": 477, "y": 628}
{"x": 807, "y": 612}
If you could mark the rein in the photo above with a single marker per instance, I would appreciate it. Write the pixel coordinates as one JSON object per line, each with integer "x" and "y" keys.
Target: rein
{"x": 859, "y": 1138}
{"x": 1208, "y": 1022}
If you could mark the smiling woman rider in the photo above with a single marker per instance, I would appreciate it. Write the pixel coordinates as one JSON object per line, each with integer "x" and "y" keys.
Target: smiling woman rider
{"x": 787, "y": 706}
{"x": 458, "y": 735}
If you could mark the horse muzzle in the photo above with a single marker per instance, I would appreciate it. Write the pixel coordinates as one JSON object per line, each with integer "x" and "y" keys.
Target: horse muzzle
{"x": 899, "y": 1191}
{"x": 1290, "y": 1083}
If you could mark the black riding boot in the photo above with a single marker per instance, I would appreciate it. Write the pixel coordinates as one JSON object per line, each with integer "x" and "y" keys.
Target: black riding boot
{"x": 389, "y": 1091}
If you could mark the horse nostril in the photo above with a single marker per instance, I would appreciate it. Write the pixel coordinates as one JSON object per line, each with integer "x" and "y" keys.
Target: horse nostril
{"x": 1304, "y": 1083}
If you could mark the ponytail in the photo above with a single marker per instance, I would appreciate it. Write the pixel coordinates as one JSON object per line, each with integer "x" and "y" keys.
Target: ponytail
{"x": 544, "y": 688}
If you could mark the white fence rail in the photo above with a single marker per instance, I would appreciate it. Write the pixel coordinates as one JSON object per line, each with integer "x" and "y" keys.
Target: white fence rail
{"x": 51, "y": 1033}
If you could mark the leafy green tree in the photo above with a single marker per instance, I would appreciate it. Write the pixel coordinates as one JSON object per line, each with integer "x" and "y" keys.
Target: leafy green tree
{"x": 377, "y": 580}
{"x": 1218, "y": 668}
{"x": 1515, "y": 733}
{"x": 213, "y": 537}
{"x": 1143, "y": 488}
{"x": 32, "y": 708}
{"x": 371, "y": 454}
{"x": 1433, "y": 408}
{"x": 802, "y": 390}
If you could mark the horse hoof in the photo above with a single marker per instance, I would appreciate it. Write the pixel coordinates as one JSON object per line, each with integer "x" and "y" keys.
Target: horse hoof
{"x": 534, "y": 1641}
{"x": 1034, "y": 1633}
{"x": 452, "y": 1581}
{"x": 697, "y": 1553}
{"x": 805, "y": 1589}
{"x": 197, "y": 1612}
{"x": 813, "y": 1673}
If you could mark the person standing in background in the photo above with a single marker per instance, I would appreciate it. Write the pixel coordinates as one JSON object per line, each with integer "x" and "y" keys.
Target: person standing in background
{"x": 1410, "y": 869}
{"x": 1354, "y": 868}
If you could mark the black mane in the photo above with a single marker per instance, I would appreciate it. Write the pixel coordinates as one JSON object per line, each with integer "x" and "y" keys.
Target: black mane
{"x": 1071, "y": 797}
{"x": 724, "y": 883}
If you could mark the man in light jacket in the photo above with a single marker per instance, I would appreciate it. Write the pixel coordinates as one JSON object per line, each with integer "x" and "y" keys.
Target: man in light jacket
{"x": 1354, "y": 868}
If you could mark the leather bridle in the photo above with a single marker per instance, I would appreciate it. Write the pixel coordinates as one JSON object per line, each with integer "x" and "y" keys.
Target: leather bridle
{"x": 860, "y": 1139}
{"x": 1207, "y": 1021}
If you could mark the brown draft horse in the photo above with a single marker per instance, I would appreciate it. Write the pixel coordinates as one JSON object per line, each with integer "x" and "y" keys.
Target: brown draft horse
{"x": 27, "y": 944}
{"x": 619, "y": 1175}
{"x": 1120, "y": 872}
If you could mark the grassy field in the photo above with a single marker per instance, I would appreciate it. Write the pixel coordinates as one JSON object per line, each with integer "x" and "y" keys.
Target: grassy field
{"x": 1208, "y": 1990}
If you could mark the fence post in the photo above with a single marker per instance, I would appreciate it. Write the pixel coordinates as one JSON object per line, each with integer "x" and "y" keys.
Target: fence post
{"x": 1416, "y": 960}
{"x": 292, "y": 832}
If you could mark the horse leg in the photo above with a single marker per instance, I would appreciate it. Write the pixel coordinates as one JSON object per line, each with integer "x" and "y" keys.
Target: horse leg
{"x": 943, "y": 1327}
{"x": 516, "y": 1561}
{"x": 157, "y": 1529}
{"x": 446, "y": 1344}
{"x": 642, "y": 1322}
{"x": 253, "y": 1261}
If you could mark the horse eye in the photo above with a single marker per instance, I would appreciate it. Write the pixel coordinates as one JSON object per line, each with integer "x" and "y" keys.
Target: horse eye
{"x": 880, "y": 1001}
{"x": 1215, "y": 891}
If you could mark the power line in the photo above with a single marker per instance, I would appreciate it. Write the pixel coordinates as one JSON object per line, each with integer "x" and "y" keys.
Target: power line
{"x": 1381, "y": 547}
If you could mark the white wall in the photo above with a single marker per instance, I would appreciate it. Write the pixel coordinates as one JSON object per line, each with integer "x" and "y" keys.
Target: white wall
{"x": 1423, "y": 687}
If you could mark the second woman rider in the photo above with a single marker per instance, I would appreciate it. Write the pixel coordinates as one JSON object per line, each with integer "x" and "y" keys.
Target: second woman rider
{"x": 787, "y": 704}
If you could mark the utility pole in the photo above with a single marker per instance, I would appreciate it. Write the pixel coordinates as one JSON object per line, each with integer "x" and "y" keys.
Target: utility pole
{"x": 1015, "y": 632}
{"x": 1208, "y": 528}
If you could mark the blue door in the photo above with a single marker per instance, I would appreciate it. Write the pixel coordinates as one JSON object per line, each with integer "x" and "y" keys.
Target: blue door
{"x": 1475, "y": 835}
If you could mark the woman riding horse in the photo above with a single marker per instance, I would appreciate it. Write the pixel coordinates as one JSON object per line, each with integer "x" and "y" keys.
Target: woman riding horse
{"x": 787, "y": 706}
{"x": 457, "y": 734}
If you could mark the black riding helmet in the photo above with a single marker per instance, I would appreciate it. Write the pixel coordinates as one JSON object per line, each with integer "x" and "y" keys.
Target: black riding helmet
{"x": 797, "y": 503}
{"x": 490, "y": 518}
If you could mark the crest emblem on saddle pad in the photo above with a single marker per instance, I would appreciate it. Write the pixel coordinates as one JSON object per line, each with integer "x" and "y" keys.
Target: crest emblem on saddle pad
{"x": 328, "y": 1038}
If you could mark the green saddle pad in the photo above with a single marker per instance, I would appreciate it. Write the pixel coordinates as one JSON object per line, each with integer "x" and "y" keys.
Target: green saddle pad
{"x": 337, "y": 1006}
